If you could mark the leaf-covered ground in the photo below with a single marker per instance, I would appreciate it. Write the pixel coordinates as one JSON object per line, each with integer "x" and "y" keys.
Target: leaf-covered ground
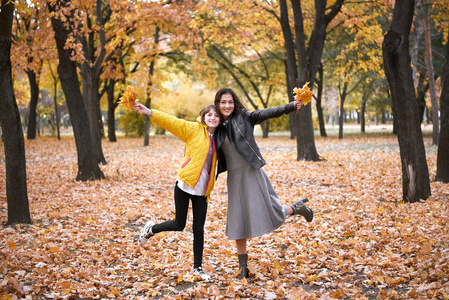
{"x": 364, "y": 243}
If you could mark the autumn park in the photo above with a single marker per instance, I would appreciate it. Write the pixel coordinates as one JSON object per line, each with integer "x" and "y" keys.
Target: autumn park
{"x": 348, "y": 106}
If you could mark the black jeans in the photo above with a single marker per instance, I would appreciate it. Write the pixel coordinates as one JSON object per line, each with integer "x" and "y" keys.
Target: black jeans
{"x": 199, "y": 207}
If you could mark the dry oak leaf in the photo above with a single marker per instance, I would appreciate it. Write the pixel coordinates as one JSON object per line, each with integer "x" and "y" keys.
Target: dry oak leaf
{"x": 303, "y": 94}
{"x": 129, "y": 97}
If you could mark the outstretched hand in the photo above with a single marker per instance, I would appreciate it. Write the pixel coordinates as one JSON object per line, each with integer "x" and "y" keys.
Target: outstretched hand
{"x": 140, "y": 108}
{"x": 298, "y": 104}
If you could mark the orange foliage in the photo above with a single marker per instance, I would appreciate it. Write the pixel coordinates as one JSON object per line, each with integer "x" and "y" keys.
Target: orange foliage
{"x": 303, "y": 94}
{"x": 129, "y": 98}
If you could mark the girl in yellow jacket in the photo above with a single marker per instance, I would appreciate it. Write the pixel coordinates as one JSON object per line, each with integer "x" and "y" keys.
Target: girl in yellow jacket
{"x": 196, "y": 175}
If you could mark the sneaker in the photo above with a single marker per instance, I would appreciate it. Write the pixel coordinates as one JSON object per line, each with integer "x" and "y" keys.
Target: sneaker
{"x": 200, "y": 273}
{"x": 299, "y": 208}
{"x": 146, "y": 232}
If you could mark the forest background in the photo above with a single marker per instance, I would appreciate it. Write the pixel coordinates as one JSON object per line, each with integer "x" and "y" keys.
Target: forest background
{"x": 79, "y": 239}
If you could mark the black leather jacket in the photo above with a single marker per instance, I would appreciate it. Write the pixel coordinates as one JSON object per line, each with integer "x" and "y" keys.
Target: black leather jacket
{"x": 239, "y": 128}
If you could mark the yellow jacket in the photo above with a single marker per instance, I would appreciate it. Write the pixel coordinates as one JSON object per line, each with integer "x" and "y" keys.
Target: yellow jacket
{"x": 197, "y": 143}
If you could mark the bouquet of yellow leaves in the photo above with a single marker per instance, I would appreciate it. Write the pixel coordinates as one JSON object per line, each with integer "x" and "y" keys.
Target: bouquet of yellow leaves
{"x": 129, "y": 97}
{"x": 303, "y": 94}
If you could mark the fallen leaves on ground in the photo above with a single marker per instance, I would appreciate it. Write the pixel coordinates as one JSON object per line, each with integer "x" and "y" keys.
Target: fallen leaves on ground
{"x": 364, "y": 243}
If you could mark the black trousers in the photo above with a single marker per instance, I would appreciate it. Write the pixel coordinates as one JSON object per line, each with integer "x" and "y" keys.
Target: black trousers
{"x": 199, "y": 207}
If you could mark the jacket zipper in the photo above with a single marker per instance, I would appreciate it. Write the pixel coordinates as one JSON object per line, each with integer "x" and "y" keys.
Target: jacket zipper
{"x": 247, "y": 142}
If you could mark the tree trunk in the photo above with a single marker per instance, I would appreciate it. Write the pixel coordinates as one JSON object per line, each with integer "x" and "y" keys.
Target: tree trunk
{"x": 93, "y": 107}
{"x": 383, "y": 117}
{"x": 289, "y": 62}
{"x": 395, "y": 49}
{"x": 88, "y": 168}
{"x": 416, "y": 40}
{"x": 418, "y": 32}
{"x": 319, "y": 108}
{"x": 91, "y": 70}
{"x": 111, "y": 111}
{"x": 342, "y": 111}
{"x": 443, "y": 145}
{"x": 363, "y": 109}
{"x": 291, "y": 116}
{"x": 16, "y": 184}
{"x": 99, "y": 119}
{"x": 430, "y": 72}
{"x": 421, "y": 90}
{"x": 146, "y": 139}
{"x": 55, "y": 101}
{"x": 112, "y": 103}
{"x": 362, "y": 115}
{"x": 34, "y": 90}
{"x": 292, "y": 124}
{"x": 305, "y": 139}
{"x": 265, "y": 125}
{"x": 55, "y": 98}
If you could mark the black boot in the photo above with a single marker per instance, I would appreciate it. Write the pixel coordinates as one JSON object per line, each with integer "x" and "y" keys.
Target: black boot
{"x": 243, "y": 269}
{"x": 299, "y": 208}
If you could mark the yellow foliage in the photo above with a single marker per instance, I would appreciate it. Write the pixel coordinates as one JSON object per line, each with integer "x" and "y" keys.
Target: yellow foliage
{"x": 129, "y": 98}
{"x": 303, "y": 94}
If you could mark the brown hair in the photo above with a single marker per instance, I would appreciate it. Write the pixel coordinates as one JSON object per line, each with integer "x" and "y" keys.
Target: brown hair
{"x": 207, "y": 109}
{"x": 238, "y": 106}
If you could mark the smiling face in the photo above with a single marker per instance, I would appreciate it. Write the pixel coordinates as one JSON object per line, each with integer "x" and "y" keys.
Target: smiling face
{"x": 226, "y": 105}
{"x": 212, "y": 119}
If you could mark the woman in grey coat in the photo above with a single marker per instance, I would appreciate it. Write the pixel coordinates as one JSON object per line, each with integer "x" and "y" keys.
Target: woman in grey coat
{"x": 253, "y": 205}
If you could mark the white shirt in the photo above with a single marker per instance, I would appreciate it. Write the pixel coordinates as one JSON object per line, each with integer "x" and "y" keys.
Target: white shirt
{"x": 201, "y": 186}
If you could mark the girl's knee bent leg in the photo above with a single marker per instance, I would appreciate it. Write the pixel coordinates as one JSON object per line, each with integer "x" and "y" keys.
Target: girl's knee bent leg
{"x": 178, "y": 226}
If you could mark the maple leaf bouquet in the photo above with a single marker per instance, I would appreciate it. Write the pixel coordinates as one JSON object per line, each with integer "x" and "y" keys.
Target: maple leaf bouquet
{"x": 129, "y": 98}
{"x": 303, "y": 94}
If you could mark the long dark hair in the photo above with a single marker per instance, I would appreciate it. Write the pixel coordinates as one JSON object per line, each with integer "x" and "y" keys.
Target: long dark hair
{"x": 238, "y": 106}
{"x": 207, "y": 109}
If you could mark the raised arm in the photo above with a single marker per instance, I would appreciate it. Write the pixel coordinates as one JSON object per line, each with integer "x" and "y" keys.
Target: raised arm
{"x": 259, "y": 116}
{"x": 178, "y": 127}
